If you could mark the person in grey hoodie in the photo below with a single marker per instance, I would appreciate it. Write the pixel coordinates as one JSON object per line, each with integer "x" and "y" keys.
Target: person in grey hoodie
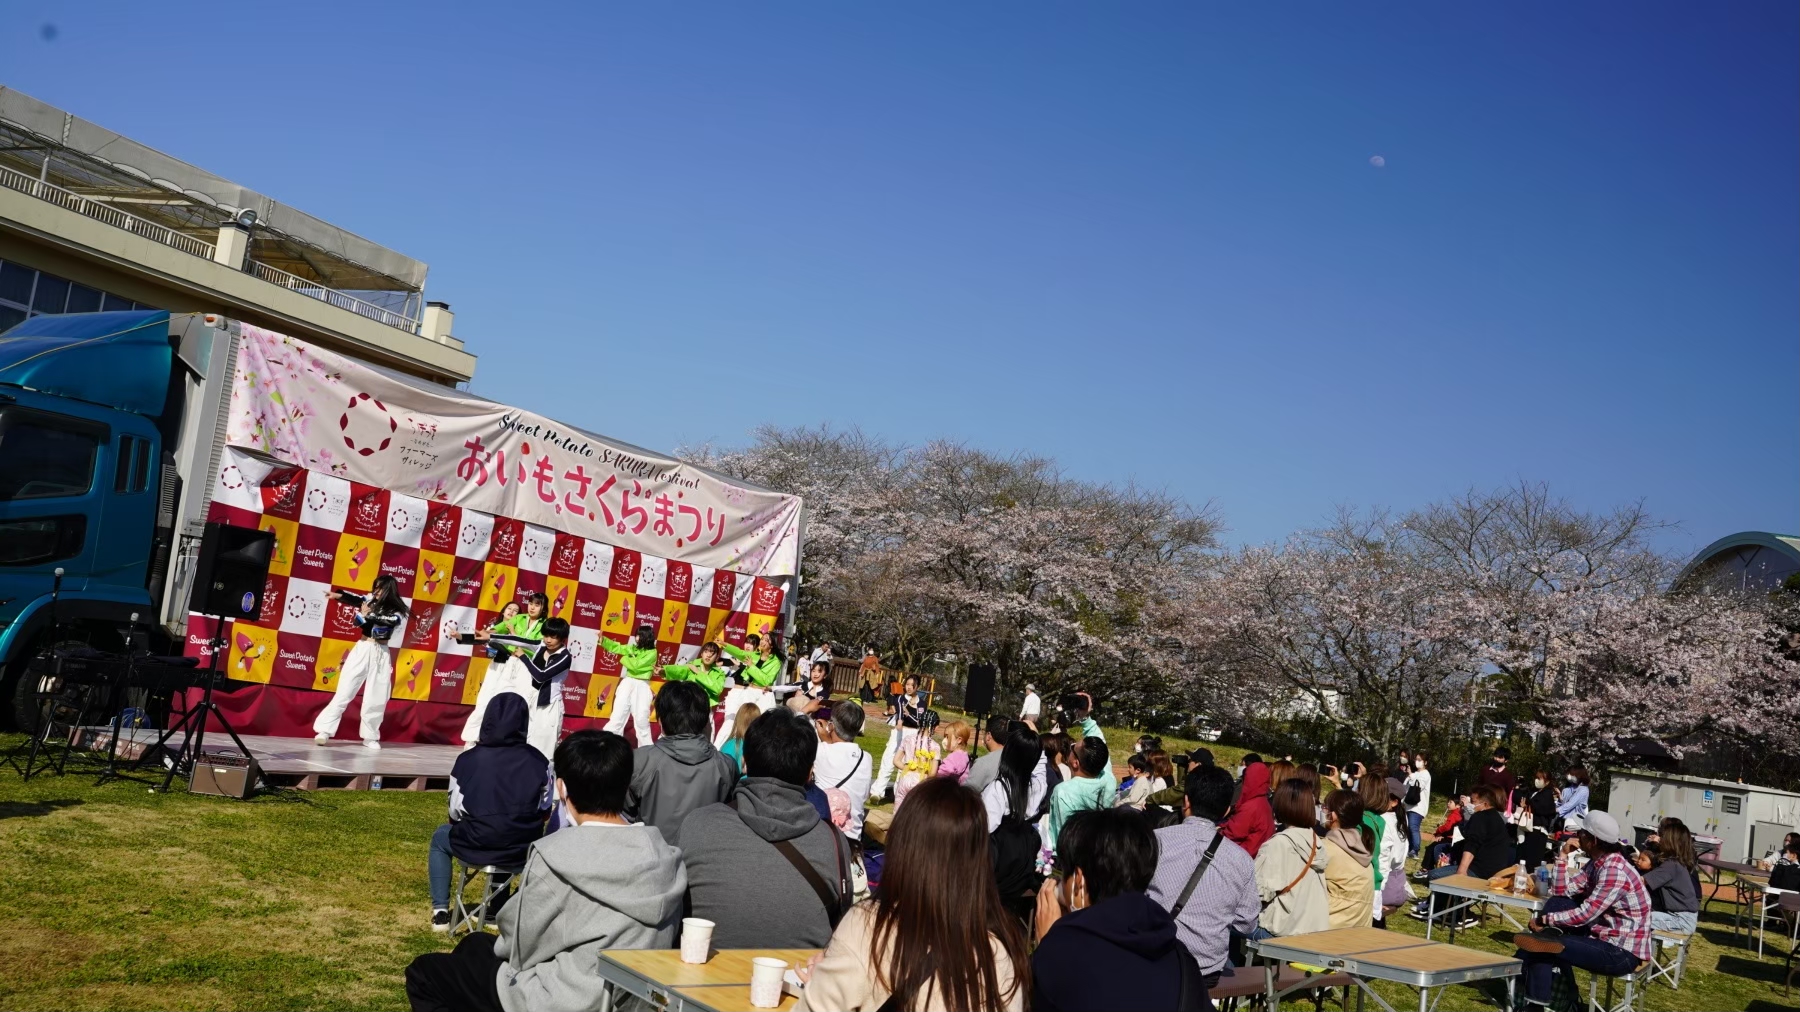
{"x": 682, "y": 771}
{"x": 601, "y": 882}
{"x": 741, "y": 856}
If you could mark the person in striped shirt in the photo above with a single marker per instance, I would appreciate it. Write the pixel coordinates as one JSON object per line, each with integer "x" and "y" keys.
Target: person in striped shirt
{"x": 1224, "y": 900}
{"x": 1597, "y": 919}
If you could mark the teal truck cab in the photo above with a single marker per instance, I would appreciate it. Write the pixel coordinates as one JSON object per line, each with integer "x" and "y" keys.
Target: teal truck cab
{"x": 109, "y": 424}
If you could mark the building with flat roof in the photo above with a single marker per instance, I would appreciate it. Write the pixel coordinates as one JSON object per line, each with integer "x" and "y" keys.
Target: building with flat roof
{"x": 90, "y": 220}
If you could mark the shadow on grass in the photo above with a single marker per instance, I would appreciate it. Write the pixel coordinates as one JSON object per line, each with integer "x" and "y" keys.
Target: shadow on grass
{"x": 1750, "y": 968}
{"x": 1768, "y": 1006}
{"x": 31, "y": 809}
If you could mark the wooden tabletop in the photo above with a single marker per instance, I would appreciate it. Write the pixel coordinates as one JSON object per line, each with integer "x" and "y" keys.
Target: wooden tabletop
{"x": 664, "y": 967}
{"x": 1434, "y": 957}
{"x": 730, "y": 998}
{"x": 1350, "y": 941}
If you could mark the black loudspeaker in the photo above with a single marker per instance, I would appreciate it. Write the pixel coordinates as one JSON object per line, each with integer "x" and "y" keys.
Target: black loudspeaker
{"x": 978, "y": 695}
{"x": 231, "y": 571}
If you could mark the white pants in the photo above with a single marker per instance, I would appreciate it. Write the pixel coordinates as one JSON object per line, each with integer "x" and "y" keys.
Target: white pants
{"x": 502, "y": 676}
{"x": 546, "y": 724}
{"x": 631, "y": 701}
{"x": 886, "y": 773}
{"x": 367, "y": 667}
{"x": 734, "y": 701}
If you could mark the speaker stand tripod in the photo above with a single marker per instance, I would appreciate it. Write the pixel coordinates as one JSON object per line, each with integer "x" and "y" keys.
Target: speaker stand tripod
{"x": 194, "y": 719}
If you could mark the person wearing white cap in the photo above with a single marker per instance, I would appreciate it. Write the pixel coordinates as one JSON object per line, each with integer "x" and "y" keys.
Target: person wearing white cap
{"x": 1032, "y": 707}
{"x": 1597, "y": 919}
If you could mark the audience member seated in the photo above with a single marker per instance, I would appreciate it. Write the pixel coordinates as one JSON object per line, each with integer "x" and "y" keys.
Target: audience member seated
{"x": 1672, "y": 877}
{"x": 1016, "y": 804}
{"x": 958, "y": 736}
{"x": 1090, "y": 787}
{"x": 733, "y": 748}
{"x": 745, "y": 859}
{"x": 1485, "y": 851}
{"x": 985, "y": 769}
{"x": 1600, "y": 916}
{"x": 1252, "y": 822}
{"x": 601, "y": 882}
{"x": 842, "y": 764}
{"x": 681, "y": 771}
{"x": 1350, "y": 847}
{"x": 1290, "y": 868}
{"x": 1103, "y": 943}
{"x": 1443, "y": 838}
{"x": 499, "y": 795}
{"x": 938, "y": 938}
{"x": 1224, "y": 899}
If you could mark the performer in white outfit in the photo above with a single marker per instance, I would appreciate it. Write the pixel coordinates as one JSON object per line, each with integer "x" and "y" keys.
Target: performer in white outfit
{"x": 632, "y": 698}
{"x": 505, "y": 673}
{"x": 368, "y": 666}
{"x": 909, "y": 706}
{"x": 546, "y": 667}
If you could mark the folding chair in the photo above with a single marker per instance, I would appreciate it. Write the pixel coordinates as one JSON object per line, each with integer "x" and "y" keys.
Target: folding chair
{"x": 1663, "y": 967}
{"x": 1237, "y": 983}
{"x": 1626, "y": 1002}
{"x": 496, "y": 884}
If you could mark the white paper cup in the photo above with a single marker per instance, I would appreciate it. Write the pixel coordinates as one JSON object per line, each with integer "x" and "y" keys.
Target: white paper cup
{"x": 696, "y": 939}
{"x": 765, "y": 981}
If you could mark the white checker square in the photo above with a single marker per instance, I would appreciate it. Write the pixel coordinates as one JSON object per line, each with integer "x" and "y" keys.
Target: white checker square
{"x": 596, "y": 563}
{"x": 327, "y": 501}
{"x": 653, "y": 572}
{"x": 475, "y": 537}
{"x": 462, "y": 619}
{"x": 535, "y": 549}
{"x": 583, "y": 646}
{"x": 304, "y": 610}
{"x": 405, "y": 520}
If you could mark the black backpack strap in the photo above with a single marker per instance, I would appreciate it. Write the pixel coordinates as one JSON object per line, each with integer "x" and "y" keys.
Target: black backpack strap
{"x": 834, "y": 904}
{"x": 1193, "y": 881}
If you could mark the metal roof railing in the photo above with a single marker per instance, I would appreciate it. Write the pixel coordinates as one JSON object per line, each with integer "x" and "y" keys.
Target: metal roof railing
{"x": 15, "y": 180}
{"x": 295, "y": 283}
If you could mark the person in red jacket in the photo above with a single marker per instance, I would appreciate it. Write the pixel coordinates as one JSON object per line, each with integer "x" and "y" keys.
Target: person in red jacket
{"x": 1252, "y": 821}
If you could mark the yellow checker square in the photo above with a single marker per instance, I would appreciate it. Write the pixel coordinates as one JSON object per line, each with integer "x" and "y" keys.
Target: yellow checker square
{"x": 433, "y": 582}
{"x": 478, "y": 669}
{"x": 715, "y": 624}
{"x": 561, "y": 593}
{"x": 497, "y": 584}
{"x": 600, "y": 696}
{"x": 412, "y": 674}
{"x": 760, "y": 625}
{"x": 252, "y": 653}
{"x": 287, "y": 533}
{"x": 674, "y": 622}
{"x": 621, "y": 609}
{"x": 330, "y": 663}
{"x": 357, "y": 563}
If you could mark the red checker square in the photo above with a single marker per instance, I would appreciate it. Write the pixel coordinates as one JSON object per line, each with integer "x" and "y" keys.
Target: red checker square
{"x": 625, "y": 570}
{"x": 575, "y": 697}
{"x": 765, "y": 597}
{"x": 199, "y": 638}
{"x": 465, "y": 582}
{"x": 529, "y": 583}
{"x": 503, "y": 548}
{"x": 295, "y": 656}
{"x": 649, "y": 612}
{"x": 274, "y": 598}
{"x": 605, "y": 662}
{"x": 442, "y": 522}
{"x": 338, "y": 623}
{"x": 665, "y": 652}
{"x": 735, "y": 628}
{"x": 447, "y": 678}
{"x": 697, "y": 617}
{"x": 315, "y": 553}
{"x": 368, "y": 511}
{"x": 422, "y": 626}
{"x": 402, "y": 564}
{"x": 590, "y": 606}
{"x": 565, "y": 558}
{"x": 224, "y": 513}
{"x": 679, "y": 581}
{"x": 282, "y": 491}
{"x": 723, "y": 582}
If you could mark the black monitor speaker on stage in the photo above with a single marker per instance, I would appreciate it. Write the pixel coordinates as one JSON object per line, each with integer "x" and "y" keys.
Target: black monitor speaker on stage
{"x": 978, "y": 695}
{"x": 231, "y": 571}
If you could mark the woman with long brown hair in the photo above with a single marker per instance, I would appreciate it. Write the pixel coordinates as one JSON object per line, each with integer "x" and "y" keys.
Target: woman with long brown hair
{"x": 937, "y": 937}
{"x": 1672, "y": 877}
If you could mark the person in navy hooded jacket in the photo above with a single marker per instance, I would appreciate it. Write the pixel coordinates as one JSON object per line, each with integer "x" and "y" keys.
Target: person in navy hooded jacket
{"x": 500, "y": 793}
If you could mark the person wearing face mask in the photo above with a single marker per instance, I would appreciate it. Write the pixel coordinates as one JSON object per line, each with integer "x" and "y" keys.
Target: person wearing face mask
{"x": 1534, "y": 849}
{"x": 1486, "y": 848}
{"x": 1416, "y": 801}
{"x": 1573, "y": 808}
{"x": 1497, "y": 775}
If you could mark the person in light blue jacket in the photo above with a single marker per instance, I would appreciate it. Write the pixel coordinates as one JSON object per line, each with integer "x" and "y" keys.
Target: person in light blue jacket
{"x": 1573, "y": 807}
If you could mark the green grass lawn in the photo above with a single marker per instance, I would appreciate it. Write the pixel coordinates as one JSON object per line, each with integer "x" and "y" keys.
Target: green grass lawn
{"x": 116, "y": 898}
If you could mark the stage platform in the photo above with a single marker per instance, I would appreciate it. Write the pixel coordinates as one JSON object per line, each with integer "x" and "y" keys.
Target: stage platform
{"x": 299, "y": 763}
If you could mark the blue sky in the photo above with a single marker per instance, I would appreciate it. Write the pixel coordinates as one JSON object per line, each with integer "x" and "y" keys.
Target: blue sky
{"x": 1146, "y": 239}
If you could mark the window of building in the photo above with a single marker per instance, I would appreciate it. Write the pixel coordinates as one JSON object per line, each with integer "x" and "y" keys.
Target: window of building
{"x": 25, "y": 293}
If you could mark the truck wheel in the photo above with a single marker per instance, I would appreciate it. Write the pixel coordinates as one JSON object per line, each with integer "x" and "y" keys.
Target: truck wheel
{"x": 21, "y": 704}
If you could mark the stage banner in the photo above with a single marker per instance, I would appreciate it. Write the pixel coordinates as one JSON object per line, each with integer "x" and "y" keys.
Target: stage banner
{"x": 333, "y": 415}
{"x": 457, "y": 568}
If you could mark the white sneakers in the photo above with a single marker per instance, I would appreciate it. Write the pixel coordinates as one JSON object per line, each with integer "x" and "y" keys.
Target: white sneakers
{"x": 371, "y": 743}
{"x": 321, "y": 739}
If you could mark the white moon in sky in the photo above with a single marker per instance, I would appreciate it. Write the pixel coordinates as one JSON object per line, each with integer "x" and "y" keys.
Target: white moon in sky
{"x": 1377, "y": 161}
